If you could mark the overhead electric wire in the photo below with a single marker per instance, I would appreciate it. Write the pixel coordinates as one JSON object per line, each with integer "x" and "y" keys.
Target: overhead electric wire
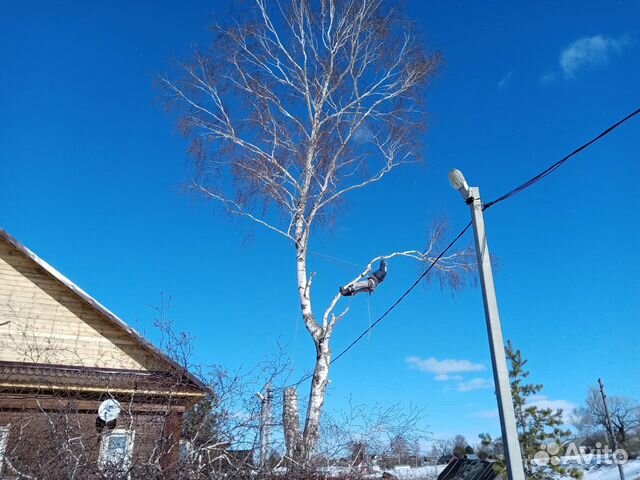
{"x": 402, "y": 297}
{"x": 559, "y": 163}
{"x": 394, "y": 305}
{"x": 533, "y": 180}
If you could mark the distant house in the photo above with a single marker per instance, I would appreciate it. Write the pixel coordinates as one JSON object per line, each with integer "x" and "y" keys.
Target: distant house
{"x": 64, "y": 356}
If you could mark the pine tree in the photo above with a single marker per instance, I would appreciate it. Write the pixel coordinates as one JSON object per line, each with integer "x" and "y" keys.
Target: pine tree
{"x": 485, "y": 449}
{"x": 201, "y": 423}
{"x": 536, "y": 426}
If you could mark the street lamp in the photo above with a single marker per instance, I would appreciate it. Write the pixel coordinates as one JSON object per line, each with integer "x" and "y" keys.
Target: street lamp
{"x": 457, "y": 181}
{"x": 513, "y": 456}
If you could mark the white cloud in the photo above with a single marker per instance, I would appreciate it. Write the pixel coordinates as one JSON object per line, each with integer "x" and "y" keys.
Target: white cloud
{"x": 446, "y": 367}
{"x": 475, "y": 384}
{"x": 589, "y": 52}
{"x": 443, "y": 377}
{"x": 487, "y": 414}
{"x": 542, "y": 401}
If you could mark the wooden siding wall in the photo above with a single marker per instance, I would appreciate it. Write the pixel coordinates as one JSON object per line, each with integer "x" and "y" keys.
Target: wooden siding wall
{"x": 50, "y": 324}
{"x": 37, "y": 439}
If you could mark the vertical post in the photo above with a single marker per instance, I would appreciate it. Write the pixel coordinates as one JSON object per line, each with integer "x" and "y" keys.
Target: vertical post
{"x": 291, "y": 425}
{"x": 269, "y": 422}
{"x": 513, "y": 455}
{"x": 265, "y": 423}
{"x": 612, "y": 434}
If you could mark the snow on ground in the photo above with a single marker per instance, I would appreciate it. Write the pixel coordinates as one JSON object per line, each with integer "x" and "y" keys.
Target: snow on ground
{"x": 591, "y": 472}
{"x": 417, "y": 473}
{"x": 610, "y": 472}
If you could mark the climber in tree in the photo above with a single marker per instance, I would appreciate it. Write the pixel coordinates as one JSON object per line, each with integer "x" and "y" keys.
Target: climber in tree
{"x": 369, "y": 284}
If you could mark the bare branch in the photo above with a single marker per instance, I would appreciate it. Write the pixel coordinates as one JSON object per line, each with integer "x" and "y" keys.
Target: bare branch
{"x": 290, "y": 111}
{"x": 234, "y": 208}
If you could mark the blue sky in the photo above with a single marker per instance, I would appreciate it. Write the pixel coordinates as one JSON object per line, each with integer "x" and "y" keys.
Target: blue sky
{"x": 91, "y": 169}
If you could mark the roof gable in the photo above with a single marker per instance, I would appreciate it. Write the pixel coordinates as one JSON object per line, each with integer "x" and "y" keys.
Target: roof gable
{"x": 53, "y": 321}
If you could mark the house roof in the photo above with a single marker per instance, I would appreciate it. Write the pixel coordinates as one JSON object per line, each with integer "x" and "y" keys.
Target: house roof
{"x": 23, "y": 376}
{"x": 104, "y": 311}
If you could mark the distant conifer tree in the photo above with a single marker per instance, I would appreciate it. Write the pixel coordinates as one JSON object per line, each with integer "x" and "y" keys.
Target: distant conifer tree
{"x": 538, "y": 428}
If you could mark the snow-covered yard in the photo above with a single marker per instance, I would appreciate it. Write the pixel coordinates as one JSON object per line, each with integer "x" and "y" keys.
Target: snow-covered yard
{"x": 417, "y": 473}
{"x": 591, "y": 472}
{"x": 610, "y": 472}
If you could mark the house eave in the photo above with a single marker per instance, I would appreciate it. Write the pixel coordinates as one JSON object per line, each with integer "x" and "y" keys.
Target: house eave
{"x": 105, "y": 312}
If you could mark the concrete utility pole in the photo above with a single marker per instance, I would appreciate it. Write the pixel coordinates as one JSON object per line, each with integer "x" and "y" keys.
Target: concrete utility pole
{"x": 265, "y": 423}
{"x": 612, "y": 434}
{"x": 508, "y": 425}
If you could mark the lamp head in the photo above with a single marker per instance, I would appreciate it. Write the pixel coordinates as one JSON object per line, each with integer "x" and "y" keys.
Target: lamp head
{"x": 457, "y": 181}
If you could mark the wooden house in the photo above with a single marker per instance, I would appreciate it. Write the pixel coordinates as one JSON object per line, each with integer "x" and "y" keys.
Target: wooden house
{"x": 62, "y": 355}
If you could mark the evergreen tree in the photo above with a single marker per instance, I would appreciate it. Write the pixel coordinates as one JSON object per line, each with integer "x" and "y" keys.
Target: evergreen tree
{"x": 201, "y": 424}
{"x": 485, "y": 449}
{"x": 536, "y": 426}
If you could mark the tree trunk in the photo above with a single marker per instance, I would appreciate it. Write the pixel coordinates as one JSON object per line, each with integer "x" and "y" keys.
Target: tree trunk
{"x": 316, "y": 399}
{"x": 320, "y": 335}
{"x": 291, "y": 424}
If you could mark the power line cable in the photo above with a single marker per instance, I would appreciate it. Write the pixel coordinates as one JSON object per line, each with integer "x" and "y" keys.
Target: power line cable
{"x": 402, "y": 297}
{"x": 559, "y": 163}
{"x": 533, "y": 180}
{"x": 394, "y": 305}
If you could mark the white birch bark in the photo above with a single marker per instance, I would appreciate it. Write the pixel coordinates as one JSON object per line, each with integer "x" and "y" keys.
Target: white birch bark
{"x": 291, "y": 425}
{"x": 300, "y": 105}
{"x": 319, "y": 383}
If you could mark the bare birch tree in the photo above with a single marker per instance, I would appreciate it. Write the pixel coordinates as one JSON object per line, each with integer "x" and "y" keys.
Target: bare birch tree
{"x": 294, "y": 106}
